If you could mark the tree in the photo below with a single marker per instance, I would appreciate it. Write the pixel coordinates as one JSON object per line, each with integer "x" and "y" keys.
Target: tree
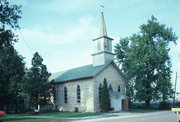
{"x": 105, "y": 101}
{"x": 146, "y": 63}
{"x": 37, "y": 86}
{"x": 16, "y": 79}
{"x": 9, "y": 16}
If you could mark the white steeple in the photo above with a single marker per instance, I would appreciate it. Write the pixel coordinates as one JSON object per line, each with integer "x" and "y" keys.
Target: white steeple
{"x": 102, "y": 46}
{"x": 102, "y": 31}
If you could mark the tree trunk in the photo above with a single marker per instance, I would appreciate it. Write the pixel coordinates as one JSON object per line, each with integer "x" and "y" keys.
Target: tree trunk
{"x": 16, "y": 104}
{"x": 147, "y": 104}
{"x": 7, "y": 108}
{"x": 36, "y": 104}
{"x": 130, "y": 103}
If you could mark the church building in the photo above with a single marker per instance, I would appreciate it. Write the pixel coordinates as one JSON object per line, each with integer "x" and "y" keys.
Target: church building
{"x": 80, "y": 88}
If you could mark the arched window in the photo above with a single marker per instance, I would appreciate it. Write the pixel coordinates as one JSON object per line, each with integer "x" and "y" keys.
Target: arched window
{"x": 119, "y": 88}
{"x": 78, "y": 94}
{"x": 110, "y": 88}
{"x": 65, "y": 95}
{"x": 100, "y": 92}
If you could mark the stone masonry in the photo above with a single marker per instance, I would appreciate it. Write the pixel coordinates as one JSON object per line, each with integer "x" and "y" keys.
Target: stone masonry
{"x": 113, "y": 78}
{"x": 89, "y": 90}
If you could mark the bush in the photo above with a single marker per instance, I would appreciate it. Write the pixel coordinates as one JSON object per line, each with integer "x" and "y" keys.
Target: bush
{"x": 76, "y": 109}
{"x": 49, "y": 111}
{"x": 177, "y": 104}
{"x": 164, "y": 105}
{"x": 154, "y": 105}
{"x": 137, "y": 106}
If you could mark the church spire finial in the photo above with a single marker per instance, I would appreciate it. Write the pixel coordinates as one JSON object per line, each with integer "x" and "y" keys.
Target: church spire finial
{"x": 103, "y": 45}
{"x": 103, "y": 31}
{"x": 102, "y": 7}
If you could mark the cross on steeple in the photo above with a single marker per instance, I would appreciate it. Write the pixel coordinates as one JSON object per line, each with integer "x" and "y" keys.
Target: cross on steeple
{"x": 101, "y": 7}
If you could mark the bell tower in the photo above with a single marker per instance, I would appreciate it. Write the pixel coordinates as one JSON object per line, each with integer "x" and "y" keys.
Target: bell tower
{"x": 102, "y": 46}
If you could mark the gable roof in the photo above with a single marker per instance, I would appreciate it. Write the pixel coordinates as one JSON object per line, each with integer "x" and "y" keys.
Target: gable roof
{"x": 87, "y": 71}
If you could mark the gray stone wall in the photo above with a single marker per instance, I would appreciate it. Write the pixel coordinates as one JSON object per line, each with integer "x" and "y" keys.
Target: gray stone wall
{"x": 89, "y": 91}
{"x": 113, "y": 77}
{"x": 86, "y": 91}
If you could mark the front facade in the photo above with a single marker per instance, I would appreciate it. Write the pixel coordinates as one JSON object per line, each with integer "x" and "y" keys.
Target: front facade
{"x": 80, "y": 88}
{"x": 115, "y": 83}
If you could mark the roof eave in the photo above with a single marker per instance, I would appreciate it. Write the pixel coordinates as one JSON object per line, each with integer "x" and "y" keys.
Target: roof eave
{"x": 59, "y": 82}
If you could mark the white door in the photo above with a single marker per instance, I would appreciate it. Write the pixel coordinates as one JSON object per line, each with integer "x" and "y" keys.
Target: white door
{"x": 116, "y": 104}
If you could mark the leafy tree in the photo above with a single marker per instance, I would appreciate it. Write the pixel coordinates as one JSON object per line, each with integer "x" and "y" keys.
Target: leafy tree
{"x": 105, "y": 101}
{"x": 9, "y": 16}
{"x": 17, "y": 66}
{"x": 146, "y": 63}
{"x": 37, "y": 85}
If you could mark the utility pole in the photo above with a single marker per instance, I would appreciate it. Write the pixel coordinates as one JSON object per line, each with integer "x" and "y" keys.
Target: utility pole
{"x": 175, "y": 89}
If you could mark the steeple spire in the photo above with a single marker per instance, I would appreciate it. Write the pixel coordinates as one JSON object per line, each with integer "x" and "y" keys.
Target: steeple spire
{"x": 103, "y": 46}
{"x": 102, "y": 31}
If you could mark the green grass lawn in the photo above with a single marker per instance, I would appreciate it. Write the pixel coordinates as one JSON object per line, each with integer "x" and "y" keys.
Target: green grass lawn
{"x": 143, "y": 110}
{"x": 31, "y": 120}
{"x": 60, "y": 114}
{"x": 12, "y": 117}
{"x": 69, "y": 114}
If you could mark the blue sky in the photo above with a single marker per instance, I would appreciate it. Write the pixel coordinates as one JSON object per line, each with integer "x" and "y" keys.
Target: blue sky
{"x": 62, "y": 30}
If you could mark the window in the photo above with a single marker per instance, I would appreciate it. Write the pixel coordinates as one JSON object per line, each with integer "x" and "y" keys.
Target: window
{"x": 98, "y": 45}
{"x": 110, "y": 88}
{"x": 119, "y": 88}
{"x": 108, "y": 45}
{"x": 78, "y": 94}
{"x": 100, "y": 92}
{"x": 65, "y": 95}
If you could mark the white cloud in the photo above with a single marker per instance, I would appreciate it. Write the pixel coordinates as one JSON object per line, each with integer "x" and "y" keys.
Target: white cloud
{"x": 77, "y": 32}
{"x": 50, "y": 44}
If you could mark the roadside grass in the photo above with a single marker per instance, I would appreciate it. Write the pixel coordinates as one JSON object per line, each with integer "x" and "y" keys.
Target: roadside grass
{"x": 20, "y": 114}
{"x": 24, "y": 117}
{"x": 31, "y": 120}
{"x": 70, "y": 114}
{"x": 60, "y": 114}
{"x": 143, "y": 110}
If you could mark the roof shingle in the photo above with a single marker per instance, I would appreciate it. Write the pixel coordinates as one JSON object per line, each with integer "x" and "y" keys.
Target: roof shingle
{"x": 86, "y": 71}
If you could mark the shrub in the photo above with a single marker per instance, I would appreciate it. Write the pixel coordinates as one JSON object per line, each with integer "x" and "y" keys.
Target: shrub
{"x": 105, "y": 101}
{"x": 164, "y": 105}
{"x": 76, "y": 109}
{"x": 177, "y": 104}
{"x": 137, "y": 106}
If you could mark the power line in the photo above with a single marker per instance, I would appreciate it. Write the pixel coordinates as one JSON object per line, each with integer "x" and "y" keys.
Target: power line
{"x": 25, "y": 42}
